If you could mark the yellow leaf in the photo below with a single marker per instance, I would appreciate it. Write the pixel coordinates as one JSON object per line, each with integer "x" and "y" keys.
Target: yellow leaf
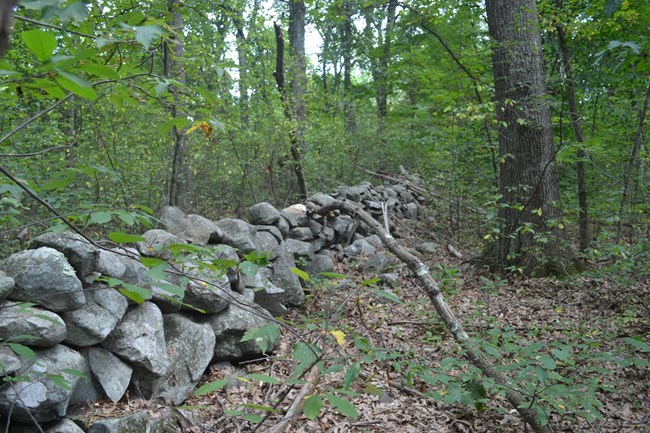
{"x": 340, "y": 337}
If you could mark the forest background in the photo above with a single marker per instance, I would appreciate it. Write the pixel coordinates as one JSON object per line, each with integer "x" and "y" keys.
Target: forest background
{"x": 112, "y": 109}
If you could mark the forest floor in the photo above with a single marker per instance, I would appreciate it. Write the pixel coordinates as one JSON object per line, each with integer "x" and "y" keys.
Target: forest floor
{"x": 567, "y": 340}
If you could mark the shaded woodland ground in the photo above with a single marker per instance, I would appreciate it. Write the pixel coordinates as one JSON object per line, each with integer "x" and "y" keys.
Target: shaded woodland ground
{"x": 590, "y": 313}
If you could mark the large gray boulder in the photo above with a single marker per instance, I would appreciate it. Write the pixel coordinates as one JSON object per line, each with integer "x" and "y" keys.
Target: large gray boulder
{"x": 40, "y": 328}
{"x": 39, "y": 396}
{"x": 9, "y": 361}
{"x": 267, "y": 243}
{"x": 91, "y": 324}
{"x": 66, "y": 425}
{"x": 210, "y": 298}
{"x": 45, "y": 277}
{"x": 238, "y": 234}
{"x": 110, "y": 264}
{"x": 230, "y": 326}
{"x": 190, "y": 346}
{"x": 263, "y": 214}
{"x": 112, "y": 374}
{"x": 81, "y": 254}
{"x": 193, "y": 228}
{"x": 155, "y": 243}
{"x": 139, "y": 339}
{"x": 296, "y": 215}
{"x": 284, "y": 278}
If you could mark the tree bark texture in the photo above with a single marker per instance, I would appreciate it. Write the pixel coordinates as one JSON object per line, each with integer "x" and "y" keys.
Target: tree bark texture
{"x": 431, "y": 288}
{"x": 181, "y": 176}
{"x": 528, "y": 182}
{"x": 584, "y": 238}
{"x": 633, "y": 162}
{"x": 294, "y": 108}
{"x": 6, "y": 19}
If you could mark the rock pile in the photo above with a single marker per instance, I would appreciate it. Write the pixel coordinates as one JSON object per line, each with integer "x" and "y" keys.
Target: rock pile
{"x": 64, "y": 308}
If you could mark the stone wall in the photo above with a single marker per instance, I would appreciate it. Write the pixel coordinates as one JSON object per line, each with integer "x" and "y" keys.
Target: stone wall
{"x": 63, "y": 311}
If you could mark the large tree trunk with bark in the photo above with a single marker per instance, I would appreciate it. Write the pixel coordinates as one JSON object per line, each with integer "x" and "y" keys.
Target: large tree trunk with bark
{"x": 531, "y": 235}
{"x": 295, "y": 108}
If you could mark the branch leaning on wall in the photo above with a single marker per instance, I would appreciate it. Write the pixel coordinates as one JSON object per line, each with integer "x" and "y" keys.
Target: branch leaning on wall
{"x": 430, "y": 286}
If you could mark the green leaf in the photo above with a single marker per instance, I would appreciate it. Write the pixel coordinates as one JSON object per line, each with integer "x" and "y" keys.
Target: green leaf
{"x": 249, "y": 269}
{"x": 263, "y": 336}
{"x": 333, "y": 275}
{"x": 313, "y": 405}
{"x": 60, "y": 381}
{"x": 351, "y": 374}
{"x": 211, "y": 386}
{"x": 124, "y": 238}
{"x": 638, "y": 344}
{"x": 101, "y": 217}
{"x": 371, "y": 281}
{"x": 41, "y": 43}
{"x": 77, "y": 12}
{"x": 263, "y": 378}
{"x": 99, "y": 71}
{"x": 146, "y": 34}
{"x": 22, "y": 351}
{"x": 73, "y": 372}
{"x": 74, "y": 87}
{"x": 388, "y": 295}
{"x": 547, "y": 362}
{"x": 302, "y": 274}
{"x": 135, "y": 293}
{"x": 344, "y": 406}
{"x": 126, "y": 217}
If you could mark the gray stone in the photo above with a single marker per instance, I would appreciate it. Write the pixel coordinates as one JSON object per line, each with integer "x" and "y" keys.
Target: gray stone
{"x": 277, "y": 234}
{"x": 88, "y": 389}
{"x": 301, "y": 234}
{"x": 45, "y": 277}
{"x": 155, "y": 243}
{"x": 110, "y": 264}
{"x": 340, "y": 224}
{"x": 360, "y": 247}
{"x": 267, "y": 243}
{"x": 390, "y": 279}
{"x": 39, "y": 396}
{"x": 287, "y": 280}
{"x": 91, "y": 324}
{"x": 146, "y": 421}
{"x": 427, "y": 247}
{"x": 190, "y": 346}
{"x": 7, "y": 285}
{"x": 283, "y": 225}
{"x": 139, "y": 339}
{"x": 263, "y": 214}
{"x": 296, "y": 215}
{"x": 66, "y": 425}
{"x": 322, "y": 262}
{"x": 299, "y": 250}
{"x": 380, "y": 263}
{"x": 230, "y": 326}
{"x": 315, "y": 227}
{"x": 41, "y": 328}
{"x": 266, "y": 294}
{"x": 321, "y": 199}
{"x": 238, "y": 234}
{"x": 192, "y": 228}
{"x": 375, "y": 241}
{"x": 411, "y": 210}
{"x": 112, "y": 374}
{"x": 210, "y": 298}
{"x": 9, "y": 361}
{"x": 81, "y": 254}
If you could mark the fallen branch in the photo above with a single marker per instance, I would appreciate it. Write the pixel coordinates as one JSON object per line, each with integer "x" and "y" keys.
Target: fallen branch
{"x": 432, "y": 290}
{"x": 298, "y": 402}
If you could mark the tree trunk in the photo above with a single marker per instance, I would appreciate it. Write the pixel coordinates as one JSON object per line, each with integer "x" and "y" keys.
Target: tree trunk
{"x": 634, "y": 156}
{"x": 242, "y": 59}
{"x": 530, "y": 211}
{"x": 296, "y": 132}
{"x": 180, "y": 182}
{"x": 584, "y": 238}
